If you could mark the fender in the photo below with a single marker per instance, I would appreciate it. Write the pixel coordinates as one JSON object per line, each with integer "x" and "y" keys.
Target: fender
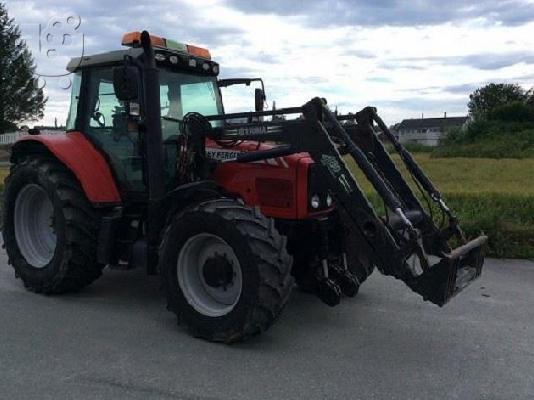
{"x": 200, "y": 189}
{"x": 189, "y": 193}
{"x": 82, "y": 158}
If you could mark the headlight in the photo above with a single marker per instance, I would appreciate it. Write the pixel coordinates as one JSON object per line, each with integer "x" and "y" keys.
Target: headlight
{"x": 329, "y": 200}
{"x": 315, "y": 201}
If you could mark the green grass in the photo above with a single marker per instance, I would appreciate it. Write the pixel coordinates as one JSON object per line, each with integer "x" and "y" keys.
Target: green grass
{"x": 493, "y": 196}
{"x": 417, "y": 148}
{"x": 508, "y": 220}
{"x": 3, "y": 173}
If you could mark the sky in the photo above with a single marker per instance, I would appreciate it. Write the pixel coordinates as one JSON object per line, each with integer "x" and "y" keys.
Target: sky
{"x": 407, "y": 58}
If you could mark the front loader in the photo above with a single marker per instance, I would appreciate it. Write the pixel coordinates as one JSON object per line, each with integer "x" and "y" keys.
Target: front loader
{"x": 406, "y": 244}
{"x": 153, "y": 173}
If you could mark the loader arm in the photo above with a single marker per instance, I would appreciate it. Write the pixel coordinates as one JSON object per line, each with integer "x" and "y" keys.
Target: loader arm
{"x": 406, "y": 244}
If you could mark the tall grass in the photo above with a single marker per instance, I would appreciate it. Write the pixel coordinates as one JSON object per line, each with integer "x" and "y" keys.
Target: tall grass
{"x": 491, "y": 196}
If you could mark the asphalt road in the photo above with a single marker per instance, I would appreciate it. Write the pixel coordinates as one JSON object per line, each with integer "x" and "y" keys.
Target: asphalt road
{"x": 115, "y": 340}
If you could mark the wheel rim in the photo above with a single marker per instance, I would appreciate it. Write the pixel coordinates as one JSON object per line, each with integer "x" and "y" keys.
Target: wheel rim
{"x": 34, "y": 225}
{"x": 209, "y": 275}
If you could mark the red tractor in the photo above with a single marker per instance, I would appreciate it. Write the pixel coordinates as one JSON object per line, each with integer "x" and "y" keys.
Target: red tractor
{"x": 229, "y": 209}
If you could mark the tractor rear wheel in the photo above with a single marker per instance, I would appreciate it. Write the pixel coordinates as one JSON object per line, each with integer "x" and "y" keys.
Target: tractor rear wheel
{"x": 225, "y": 270}
{"x": 50, "y": 228}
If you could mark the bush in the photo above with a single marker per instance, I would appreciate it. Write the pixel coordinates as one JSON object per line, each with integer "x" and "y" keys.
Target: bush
{"x": 411, "y": 147}
{"x": 489, "y": 139}
{"x": 516, "y": 111}
{"x": 6, "y": 126}
{"x": 418, "y": 148}
{"x": 454, "y": 135}
{"x": 518, "y": 145}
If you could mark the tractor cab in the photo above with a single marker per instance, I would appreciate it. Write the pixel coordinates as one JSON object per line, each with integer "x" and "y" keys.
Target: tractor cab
{"x": 187, "y": 83}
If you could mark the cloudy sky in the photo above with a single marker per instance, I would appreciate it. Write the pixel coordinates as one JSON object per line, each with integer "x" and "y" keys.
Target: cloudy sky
{"x": 405, "y": 57}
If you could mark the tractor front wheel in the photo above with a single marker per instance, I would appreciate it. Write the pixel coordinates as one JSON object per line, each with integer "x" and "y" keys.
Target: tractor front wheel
{"x": 50, "y": 228}
{"x": 225, "y": 269}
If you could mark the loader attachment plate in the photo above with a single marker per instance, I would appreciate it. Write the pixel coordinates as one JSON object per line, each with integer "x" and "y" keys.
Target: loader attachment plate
{"x": 452, "y": 274}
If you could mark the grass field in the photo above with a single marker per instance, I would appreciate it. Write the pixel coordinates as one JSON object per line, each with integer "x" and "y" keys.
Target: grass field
{"x": 494, "y": 196}
{"x": 473, "y": 175}
{"x": 3, "y": 174}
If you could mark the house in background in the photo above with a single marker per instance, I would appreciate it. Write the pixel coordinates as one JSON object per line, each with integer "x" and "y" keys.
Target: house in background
{"x": 426, "y": 131}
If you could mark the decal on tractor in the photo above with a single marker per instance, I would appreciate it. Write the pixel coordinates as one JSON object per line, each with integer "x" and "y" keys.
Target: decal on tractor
{"x": 221, "y": 154}
{"x": 252, "y": 130}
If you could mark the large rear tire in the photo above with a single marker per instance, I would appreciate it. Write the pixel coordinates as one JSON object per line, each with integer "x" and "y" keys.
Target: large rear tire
{"x": 225, "y": 269}
{"x": 50, "y": 228}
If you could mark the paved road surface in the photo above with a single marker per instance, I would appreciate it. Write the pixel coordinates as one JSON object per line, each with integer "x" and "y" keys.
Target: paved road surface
{"x": 115, "y": 340}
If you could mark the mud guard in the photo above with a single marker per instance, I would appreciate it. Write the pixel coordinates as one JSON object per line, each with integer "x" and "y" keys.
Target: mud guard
{"x": 82, "y": 158}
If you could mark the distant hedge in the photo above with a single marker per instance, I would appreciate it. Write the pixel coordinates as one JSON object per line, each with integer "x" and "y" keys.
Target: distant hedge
{"x": 489, "y": 139}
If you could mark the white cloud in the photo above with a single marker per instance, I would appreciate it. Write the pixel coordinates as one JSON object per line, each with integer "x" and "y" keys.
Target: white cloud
{"x": 405, "y": 70}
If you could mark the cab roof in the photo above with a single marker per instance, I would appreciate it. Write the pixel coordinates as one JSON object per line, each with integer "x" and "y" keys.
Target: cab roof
{"x": 108, "y": 58}
{"x": 164, "y": 58}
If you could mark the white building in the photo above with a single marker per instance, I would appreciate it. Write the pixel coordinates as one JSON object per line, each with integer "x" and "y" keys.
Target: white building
{"x": 426, "y": 131}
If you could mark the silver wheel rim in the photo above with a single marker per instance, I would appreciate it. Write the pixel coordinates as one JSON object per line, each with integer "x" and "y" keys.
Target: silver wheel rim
{"x": 34, "y": 230}
{"x": 195, "y": 269}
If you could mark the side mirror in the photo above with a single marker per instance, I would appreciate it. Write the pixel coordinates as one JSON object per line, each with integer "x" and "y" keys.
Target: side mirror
{"x": 125, "y": 83}
{"x": 259, "y": 99}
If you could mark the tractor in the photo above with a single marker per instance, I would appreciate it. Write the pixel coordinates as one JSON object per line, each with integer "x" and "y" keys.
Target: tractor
{"x": 230, "y": 209}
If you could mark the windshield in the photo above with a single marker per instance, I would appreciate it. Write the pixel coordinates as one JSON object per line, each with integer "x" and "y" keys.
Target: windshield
{"x": 181, "y": 93}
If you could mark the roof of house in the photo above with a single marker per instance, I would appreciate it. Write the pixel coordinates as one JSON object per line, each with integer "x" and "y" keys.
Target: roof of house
{"x": 421, "y": 123}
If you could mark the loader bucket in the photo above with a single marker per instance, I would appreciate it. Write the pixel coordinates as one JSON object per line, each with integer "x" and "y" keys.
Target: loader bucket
{"x": 452, "y": 274}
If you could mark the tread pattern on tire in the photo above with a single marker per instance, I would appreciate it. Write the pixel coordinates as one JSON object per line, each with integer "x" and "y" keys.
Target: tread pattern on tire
{"x": 78, "y": 266}
{"x": 274, "y": 265}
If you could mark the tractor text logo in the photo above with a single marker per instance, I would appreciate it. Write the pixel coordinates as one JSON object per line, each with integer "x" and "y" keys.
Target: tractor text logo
{"x": 60, "y": 39}
{"x": 253, "y": 130}
{"x": 221, "y": 154}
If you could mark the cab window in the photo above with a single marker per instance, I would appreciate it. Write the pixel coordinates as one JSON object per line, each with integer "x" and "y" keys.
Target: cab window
{"x": 182, "y": 93}
{"x": 74, "y": 100}
{"x": 106, "y": 123}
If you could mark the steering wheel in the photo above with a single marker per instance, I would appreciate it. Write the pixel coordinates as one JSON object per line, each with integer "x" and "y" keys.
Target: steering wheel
{"x": 170, "y": 119}
{"x": 99, "y": 118}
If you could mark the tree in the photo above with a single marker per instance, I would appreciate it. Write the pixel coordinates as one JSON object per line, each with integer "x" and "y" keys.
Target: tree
{"x": 515, "y": 111}
{"x": 484, "y": 100}
{"x": 530, "y": 97}
{"x": 20, "y": 99}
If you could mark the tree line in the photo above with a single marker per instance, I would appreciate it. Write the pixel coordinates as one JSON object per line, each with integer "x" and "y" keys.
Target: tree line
{"x": 20, "y": 98}
{"x": 502, "y": 102}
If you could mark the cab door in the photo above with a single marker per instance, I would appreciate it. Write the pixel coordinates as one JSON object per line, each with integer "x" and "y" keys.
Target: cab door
{"x": 105, "y": 122}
